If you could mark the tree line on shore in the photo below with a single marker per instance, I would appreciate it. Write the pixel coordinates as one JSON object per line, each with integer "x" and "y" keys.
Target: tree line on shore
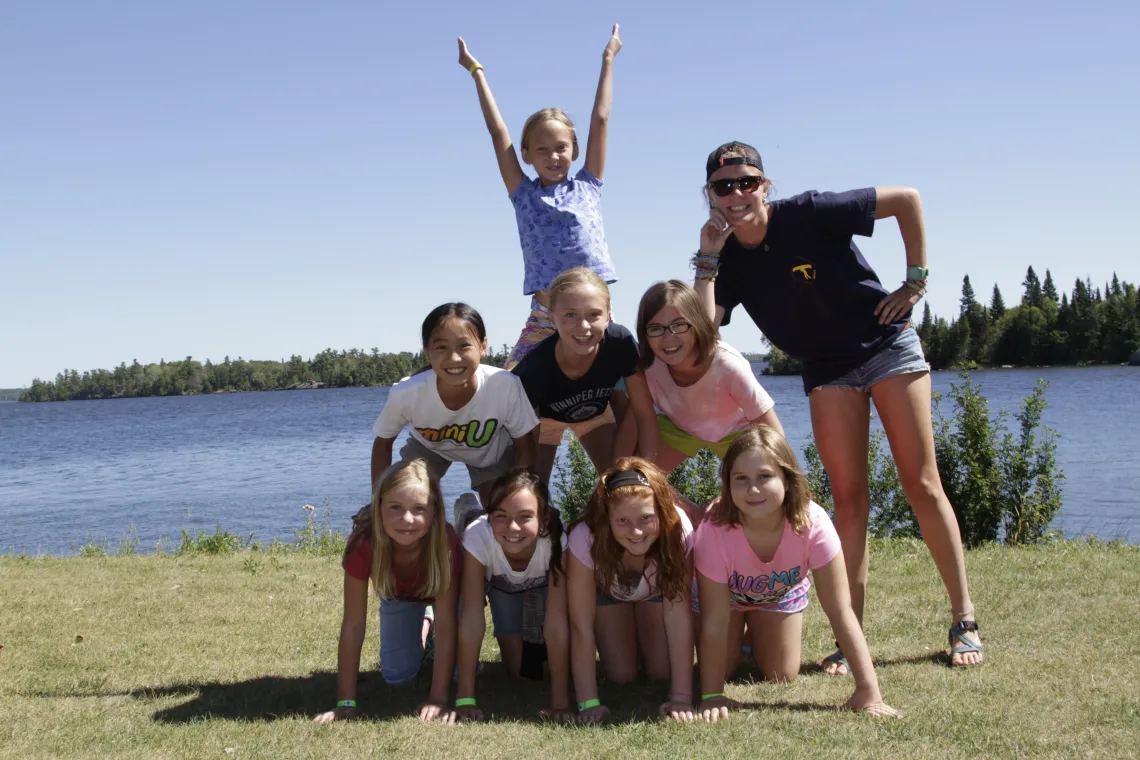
{"x": 1090, "y": 326}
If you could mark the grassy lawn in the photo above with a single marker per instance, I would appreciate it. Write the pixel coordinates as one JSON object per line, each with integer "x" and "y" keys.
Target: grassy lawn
{"x": 227, "y": 656}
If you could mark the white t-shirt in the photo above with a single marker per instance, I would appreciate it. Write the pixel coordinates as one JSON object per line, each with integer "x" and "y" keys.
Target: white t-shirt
{"x": 479, "y": 539}
{"x": 723, "y": 401}
{"x": 477, "y": 434}
{"x": 638, "y": 587}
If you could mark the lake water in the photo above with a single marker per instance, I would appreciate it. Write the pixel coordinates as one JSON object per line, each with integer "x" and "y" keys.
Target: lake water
{"x": 78, "y": 471}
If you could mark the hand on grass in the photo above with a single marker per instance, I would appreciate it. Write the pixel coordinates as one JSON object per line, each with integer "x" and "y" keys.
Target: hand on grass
{"x": 434, "y": 711}
{"x": 595, "y": 716}
{"x": 468, "y": 714}
{"x": 872, "y": 705}
{"x": 678, "y": 708}
{"x": 716, "y": 708}
{"x": 561, "y": 715}
{"x": 340, "y": 713}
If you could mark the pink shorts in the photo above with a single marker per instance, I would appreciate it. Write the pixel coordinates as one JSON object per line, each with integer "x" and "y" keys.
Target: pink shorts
{"x": 550, "y": 431}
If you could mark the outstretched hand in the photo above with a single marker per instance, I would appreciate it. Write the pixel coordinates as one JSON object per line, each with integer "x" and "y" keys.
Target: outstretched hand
{"x": 714, "y": 232}
{"x": 466, "y": 60}
{"x": 613, "y": 46}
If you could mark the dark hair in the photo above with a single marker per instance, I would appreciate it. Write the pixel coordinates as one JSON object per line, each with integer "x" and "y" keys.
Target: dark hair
{"x": 688, "y": 304}
{"x": 525, "y": 479}
{"x": 733, "y": 149}
{"x": 455, "y": 310}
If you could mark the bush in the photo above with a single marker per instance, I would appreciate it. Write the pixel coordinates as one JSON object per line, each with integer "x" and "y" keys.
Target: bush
{"x": 1002, "y": 487}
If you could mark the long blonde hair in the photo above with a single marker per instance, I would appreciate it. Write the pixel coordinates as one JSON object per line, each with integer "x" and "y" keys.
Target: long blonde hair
{"x": 797, "y": 493}
{"x": 437, "y": 562}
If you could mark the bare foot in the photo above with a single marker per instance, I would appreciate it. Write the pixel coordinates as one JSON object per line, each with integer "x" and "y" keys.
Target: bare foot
{"x": 835, "y": 664}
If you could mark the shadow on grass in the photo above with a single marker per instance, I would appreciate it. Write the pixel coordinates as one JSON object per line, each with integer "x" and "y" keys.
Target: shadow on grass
{"x": 271, "y": 698}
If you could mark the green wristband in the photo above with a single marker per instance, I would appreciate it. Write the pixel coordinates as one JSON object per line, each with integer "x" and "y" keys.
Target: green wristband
{"x": 583, "y": 706}
{"x": 347, "y": 703}
{"x": 465, "y": 702}
{"x": 710, "y": 696}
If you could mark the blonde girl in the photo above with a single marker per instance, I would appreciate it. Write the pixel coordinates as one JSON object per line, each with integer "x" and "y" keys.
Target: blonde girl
{"x": 629, "y": 589}
{"x": 753, "y": 556}
{"x": 513, "y": 552}
{"x": 411, "y": 556}
{"x": 570, "y": 376}
{"x": 559, "y": 217}
{"x": 462, "y": 411}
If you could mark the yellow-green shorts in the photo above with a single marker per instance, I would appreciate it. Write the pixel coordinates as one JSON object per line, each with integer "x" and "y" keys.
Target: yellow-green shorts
{"x": 687, "y": 443}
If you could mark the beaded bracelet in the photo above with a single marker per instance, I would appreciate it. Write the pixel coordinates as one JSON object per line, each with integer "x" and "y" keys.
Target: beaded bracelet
{"x": 583, "y": 706}
{"x": 465, "y": 702}
{"x": 347, "y": 703}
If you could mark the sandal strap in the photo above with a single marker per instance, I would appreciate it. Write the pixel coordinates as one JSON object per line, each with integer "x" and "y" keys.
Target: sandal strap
{"x": 963, "y": 626}
{"x": 959, "y": 644}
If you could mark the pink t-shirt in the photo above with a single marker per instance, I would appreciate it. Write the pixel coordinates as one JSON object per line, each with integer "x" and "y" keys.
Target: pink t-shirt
{"x": 723, "y": 401}
{"x": 722, "y": 554}
{"x": 642, "y": 586}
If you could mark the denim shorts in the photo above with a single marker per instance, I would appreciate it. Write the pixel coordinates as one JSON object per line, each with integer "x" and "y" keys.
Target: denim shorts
{"x": 903, "y": 356}
{"x": 507, "y": 609}
{"x": 401, "y": 639}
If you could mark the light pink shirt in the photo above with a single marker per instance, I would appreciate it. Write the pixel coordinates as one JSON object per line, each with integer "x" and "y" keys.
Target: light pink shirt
{"x": 722, "y": 554}
{"x": 639, "y": 589}
{"x": 723, "y": 401}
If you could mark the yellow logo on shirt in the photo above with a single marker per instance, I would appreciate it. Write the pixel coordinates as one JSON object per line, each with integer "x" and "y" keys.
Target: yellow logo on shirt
{"x": 807, "y": 270}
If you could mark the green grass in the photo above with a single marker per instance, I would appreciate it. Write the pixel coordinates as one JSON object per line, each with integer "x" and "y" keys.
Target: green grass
{"x": 186, "y": 656}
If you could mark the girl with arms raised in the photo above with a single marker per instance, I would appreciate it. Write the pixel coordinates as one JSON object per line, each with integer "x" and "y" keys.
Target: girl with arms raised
{"x": 559, "y": 216}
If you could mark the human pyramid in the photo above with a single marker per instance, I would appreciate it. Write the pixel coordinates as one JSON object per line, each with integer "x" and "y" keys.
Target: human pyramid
{"x": 644, "y": 575}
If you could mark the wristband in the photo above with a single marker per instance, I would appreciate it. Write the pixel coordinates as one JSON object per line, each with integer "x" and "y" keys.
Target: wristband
{"x": 475, "y": 67}
{"x": 465, "y": 702}
{"x": 347, "y": 703}
{"x": 710, "y": 696}
{"x": 583, "y": 706}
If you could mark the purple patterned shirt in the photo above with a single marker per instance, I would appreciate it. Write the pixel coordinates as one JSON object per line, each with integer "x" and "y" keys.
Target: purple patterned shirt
{"x": 560, "y": 227}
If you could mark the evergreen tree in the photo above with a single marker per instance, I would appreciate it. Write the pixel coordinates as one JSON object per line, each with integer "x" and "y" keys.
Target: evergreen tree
{"x": 967, "y": 302}
{"x": 1033, "y": 295}
{"x": 1049, "y": 290}
{"x": 997, "y": 305}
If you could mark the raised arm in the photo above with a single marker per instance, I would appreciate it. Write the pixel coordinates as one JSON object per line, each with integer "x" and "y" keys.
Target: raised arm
{"x": 505, "y": 154}
{"x": 714, "y": 233}
{"x": 905, "y": 205}
{"x": 599, "y": 119}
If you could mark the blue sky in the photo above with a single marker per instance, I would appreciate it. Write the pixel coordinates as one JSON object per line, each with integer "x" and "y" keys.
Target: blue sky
{"x": 262, "y": 179}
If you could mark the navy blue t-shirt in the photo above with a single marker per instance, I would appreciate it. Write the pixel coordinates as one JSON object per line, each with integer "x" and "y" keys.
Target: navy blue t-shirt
{"x": 807, "y": 286}
{"x": 557, "y": 397}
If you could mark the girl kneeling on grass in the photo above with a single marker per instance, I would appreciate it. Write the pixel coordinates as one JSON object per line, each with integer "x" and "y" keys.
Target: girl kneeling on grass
{"x": 413, "y": 559}
{"x": 629, "y": 589}
{"x": 753, "y": 554}
{"x": 512, "y": 551}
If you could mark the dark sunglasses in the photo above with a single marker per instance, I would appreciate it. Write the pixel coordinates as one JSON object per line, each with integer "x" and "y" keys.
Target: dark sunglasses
{"x": 748, "y": 184}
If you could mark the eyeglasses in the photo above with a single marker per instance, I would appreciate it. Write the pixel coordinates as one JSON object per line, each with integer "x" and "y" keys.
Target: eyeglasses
{"x": 656, "y": 331}
{"x": 747, "y": 184}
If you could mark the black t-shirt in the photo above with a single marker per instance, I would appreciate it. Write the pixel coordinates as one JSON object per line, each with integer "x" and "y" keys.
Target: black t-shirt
{"x": 557, "y": 397}
{"x": 807, "y": 286}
